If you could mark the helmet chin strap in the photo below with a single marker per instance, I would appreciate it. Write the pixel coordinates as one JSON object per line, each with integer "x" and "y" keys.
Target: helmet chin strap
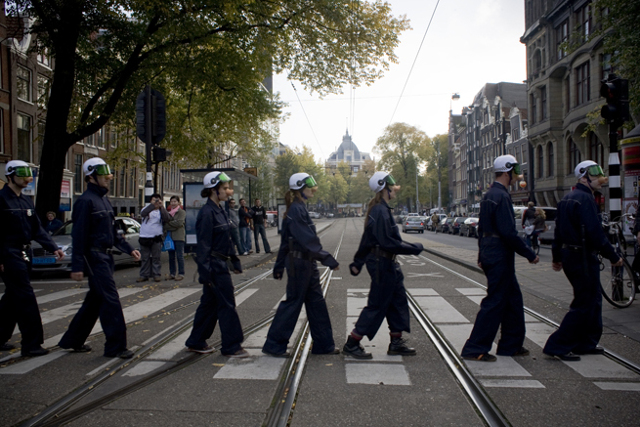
{"x": 304, "y": 196}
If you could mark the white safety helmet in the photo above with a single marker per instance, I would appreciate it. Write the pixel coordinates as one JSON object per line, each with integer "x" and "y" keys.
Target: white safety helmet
{"x": 506, "y": 163}
{"x": 18, "y": 168}
{"x": 301, "y": 179}
{"x": 212, "y": 179}
{"x": 588, "y": 166}
{"x": 96, "y": 165}
{"x": 379, "y": 180}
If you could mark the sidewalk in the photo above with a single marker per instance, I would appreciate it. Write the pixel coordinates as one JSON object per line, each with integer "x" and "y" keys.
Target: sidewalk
{"x": 540, "y": 280}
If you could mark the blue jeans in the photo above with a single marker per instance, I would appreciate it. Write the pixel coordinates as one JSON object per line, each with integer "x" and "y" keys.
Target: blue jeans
{"x": 245, "y": 238}
{"x": 258, "y": 229}
{"x": 235, "y": 236}
{"x": 179, "y": 254}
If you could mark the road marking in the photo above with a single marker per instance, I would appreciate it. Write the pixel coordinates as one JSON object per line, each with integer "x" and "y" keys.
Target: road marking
{"x": 257, "y": 367}
{"x": 600, "y": 366}
{"x": 472, "y": 291}
{"x": 143, "y": 368}
{"x": 31, "y": 364}
{"x": 618, "y": 386}
{"x": 59, "y": 295}
{"x": 112, "y": 361}
{"x": 439, "y": 310}
{"x": 377, "y": 373}
{"x": 414, "y": 275}
{"x": 35, "y": 290}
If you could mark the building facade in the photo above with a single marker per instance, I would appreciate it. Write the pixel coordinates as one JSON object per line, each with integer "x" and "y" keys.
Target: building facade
{"x": 349, "y": 153}
{"x": 565, "y": 64}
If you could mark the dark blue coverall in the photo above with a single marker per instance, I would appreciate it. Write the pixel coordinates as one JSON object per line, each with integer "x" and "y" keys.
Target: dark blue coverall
{"x": 498, "y": 241}
{"x": 213, "y": 230}
{"x": 300, "y": 248}
{"x": 581, "y": 328}
{"x": 387, "y": 296}
{"x": 94, "y": 234}
{"x": 20, "y": 225}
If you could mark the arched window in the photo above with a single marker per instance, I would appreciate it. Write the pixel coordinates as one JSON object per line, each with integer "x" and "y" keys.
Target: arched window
{"x": 596, "y": 149}
{"x": 540, "y": 161}
{"x": 551, "y": 159}
{"x": 574, "y": 155}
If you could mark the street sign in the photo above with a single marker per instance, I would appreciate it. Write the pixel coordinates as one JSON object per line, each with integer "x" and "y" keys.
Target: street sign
{"x": 252, "y": 171}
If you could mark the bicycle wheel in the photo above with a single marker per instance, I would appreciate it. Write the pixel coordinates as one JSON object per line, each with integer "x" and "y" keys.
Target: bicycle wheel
{"x": 617, "y": 284}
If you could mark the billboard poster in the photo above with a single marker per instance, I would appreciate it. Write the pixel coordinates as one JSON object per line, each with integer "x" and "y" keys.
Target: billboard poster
{"x": 192, "y": 204}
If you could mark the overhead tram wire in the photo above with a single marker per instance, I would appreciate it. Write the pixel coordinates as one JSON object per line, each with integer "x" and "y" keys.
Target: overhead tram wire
{"x": 307, "y": 117}
{"x": 414, "y": 61}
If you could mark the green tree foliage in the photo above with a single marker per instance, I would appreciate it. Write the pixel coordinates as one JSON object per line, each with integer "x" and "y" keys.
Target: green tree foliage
{"x": 438, "y": 168}
{"x": 403, "y": 148}
{"x": 290, "y": 162}
{"x": 208, "y": 57}
{"x": 622, "y": 37}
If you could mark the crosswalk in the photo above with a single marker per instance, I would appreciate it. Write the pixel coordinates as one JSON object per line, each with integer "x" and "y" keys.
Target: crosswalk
{"x": 506, "y": 372}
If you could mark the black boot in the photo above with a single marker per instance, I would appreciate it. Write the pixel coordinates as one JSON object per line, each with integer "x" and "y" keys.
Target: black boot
{"x": 398, "y": 345}
{"x": 353, "y": 348}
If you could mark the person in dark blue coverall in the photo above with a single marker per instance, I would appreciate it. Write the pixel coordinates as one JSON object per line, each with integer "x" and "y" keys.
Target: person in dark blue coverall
{"x": 93, "y": 236}
{"x": 20, "y": 225}
{"x": 214, "y": 253}
{"x": 498, "y": 241}
{"x": 380, "y": 244}
{"x": 300, "y": 248}
{"x": 578, "y": 239}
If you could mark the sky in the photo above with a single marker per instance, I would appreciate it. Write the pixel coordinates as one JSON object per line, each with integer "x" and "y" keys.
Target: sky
{"x": 469, "y": 43}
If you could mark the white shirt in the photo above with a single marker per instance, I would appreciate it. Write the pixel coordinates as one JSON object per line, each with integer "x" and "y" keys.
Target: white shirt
{"x": 152, "y": 227}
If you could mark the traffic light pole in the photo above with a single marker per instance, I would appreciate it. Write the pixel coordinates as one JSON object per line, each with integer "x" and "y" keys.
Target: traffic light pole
{"x": 615, "y": 191}
{"x": 148, "y": 187}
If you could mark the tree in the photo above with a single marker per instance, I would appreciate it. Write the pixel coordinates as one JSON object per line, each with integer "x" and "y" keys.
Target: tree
{"x": 403, "y": 148}
{"x": 208, "y": 57}
{"x": 438, "y": 167}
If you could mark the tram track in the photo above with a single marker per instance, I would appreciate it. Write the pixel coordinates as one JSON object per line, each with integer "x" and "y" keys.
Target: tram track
{"x": 63, "y": 411}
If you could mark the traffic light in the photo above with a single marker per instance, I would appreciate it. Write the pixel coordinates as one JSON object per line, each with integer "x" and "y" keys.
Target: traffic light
{"x": 616, "y": 92}
{"x": 159, "y": 154}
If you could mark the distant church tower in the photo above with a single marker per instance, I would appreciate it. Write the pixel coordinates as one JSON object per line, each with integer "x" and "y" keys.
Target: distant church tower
{"x": 348, "y": 152}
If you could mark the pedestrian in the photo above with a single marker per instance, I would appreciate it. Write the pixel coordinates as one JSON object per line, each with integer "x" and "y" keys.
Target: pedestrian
{"x": 234, "y": 220}
{"x": 20, "y": 225}
{"x": 578, "y": 238}
{"x": 214, "y": 256}
{"x": 154, "y": 215}
{"x": 246, "y": 225}
{"x": 53, "y": 223}
{"x": 498, "y": 241}
{"x": 93, "y": 236}
{"x": 528, "y": 216}
{"x": 175, "y": 226}
{"x": 300, "y": 249}
{"x": 259, "y": 215}
{"x": 379, "y": 246}
{"x": 539, "y": 226}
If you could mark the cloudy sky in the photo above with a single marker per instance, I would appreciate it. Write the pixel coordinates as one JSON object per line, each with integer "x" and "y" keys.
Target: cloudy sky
{"x": 469, "y": 43}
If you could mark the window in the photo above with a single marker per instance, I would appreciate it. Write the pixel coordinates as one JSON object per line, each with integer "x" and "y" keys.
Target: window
{"x": 43, "y": 91}
{"x": 551, "y": 158}
{"x": 100, "y": 137}
{"x": 608, "y": 66}
{"x": 79, "y": 178}
{"x": 41, "y": 126}
{"x": 583, "y": 21}
{"x": 574, "y": 155}
{"x": 583, "y": 94}
{"x": 44, "y": 58}
{"x": 525, "y": 153}
{"x": 24, "y": 137}
{"x": 562, "y": 35}
{"x": 543, "y": 103}
{"x": 540, "y": 161}
{"x": 532, "y": 99}
{"x": 596, "y": 149}
{"x": 122, "y": 180}
{"x": 89, "y": 141}
{"x": 23, "y": 84}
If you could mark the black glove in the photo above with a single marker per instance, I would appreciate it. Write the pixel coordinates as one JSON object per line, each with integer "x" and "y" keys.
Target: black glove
{"x": 277, "y": 274}
{"x": 351, "y": 267}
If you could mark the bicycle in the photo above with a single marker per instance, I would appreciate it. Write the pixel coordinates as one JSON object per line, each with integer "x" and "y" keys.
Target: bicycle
{"x": 618, "y": 284}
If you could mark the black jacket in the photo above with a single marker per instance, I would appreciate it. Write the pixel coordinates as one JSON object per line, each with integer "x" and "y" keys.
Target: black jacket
{"x": 577, "y": 209}
{"x": 20, "y": 224}
{"x": 259, "y": 213}
{"x": 382, "y": 231}
{"x": 94, "y": 226}
{"x": 299, "y": 227}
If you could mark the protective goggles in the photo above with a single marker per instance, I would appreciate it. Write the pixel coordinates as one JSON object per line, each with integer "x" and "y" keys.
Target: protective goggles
{"x": 516, "y": 168}
{"x": 309, "y": 182}
{"x": 222, "y": 177}
{"x": 595, "y": 170}
{"x": 388, "y": 179}
{"x": 21, "y": 171}
{"x": 100, "y": 169}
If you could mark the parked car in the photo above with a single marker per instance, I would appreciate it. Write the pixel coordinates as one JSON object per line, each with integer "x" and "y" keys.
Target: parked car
{"x": 329, "y": 215}
{"x": 444, "y": 225}
{"x": 455, "y": 225}
{"x": 413, "y": 214}
{"x": 413, "y": 223}
{"x": 314, "y": 215}
{"x": 469, "y": 227}
{"x": 44, "y": 261}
